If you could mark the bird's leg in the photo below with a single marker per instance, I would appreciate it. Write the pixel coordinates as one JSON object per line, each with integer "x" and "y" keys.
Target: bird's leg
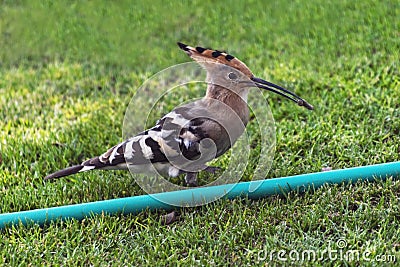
{"x": 212, "y": 169}
{"x": 191, "y": 179}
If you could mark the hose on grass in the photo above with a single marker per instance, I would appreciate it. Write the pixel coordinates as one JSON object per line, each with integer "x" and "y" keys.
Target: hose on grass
{"x": 196, "y": 196}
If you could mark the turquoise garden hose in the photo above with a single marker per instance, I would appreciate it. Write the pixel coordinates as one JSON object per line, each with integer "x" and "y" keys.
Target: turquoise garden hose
{"x": 189, "y": 197}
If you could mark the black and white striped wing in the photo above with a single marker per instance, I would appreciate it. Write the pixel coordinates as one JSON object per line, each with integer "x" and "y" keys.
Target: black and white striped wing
{"x": 170, "y": 147}
{"x": 172, "y": 143}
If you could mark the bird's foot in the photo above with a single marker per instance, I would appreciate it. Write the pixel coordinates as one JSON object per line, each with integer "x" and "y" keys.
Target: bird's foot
{"x": 169, "y": 218}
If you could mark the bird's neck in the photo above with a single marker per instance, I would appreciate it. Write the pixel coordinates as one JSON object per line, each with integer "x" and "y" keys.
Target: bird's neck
{"x": 237, "y": 101}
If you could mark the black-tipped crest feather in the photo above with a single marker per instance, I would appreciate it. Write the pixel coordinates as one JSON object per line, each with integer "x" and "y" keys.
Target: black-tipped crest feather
{"x": 183, "y": 46}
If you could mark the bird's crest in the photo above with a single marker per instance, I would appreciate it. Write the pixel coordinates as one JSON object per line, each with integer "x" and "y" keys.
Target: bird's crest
{"x": 201, "y": 54}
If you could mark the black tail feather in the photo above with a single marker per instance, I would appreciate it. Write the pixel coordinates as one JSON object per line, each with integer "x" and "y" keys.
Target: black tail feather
{"x": 64, "y": 172}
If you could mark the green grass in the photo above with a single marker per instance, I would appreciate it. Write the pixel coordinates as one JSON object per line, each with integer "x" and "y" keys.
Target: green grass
{"x": 69, "y": 70}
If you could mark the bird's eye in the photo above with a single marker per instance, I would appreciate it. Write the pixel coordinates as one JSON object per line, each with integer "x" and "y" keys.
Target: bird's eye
{"x": 232, "y": 76}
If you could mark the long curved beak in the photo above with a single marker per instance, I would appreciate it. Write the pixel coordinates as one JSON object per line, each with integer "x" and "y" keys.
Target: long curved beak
{"x": 260, "y": 83}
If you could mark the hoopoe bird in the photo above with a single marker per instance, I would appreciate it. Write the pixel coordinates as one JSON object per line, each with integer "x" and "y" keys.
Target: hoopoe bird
{"x": 191, "y": 135}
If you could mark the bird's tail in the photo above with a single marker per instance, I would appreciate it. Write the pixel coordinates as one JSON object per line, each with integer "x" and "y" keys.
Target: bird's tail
{"x": 88, "y": 165}
{"x": 64, "y": 172}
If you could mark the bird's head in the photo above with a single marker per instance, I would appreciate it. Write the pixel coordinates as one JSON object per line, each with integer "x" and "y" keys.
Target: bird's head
{"x": 224, "y": 69}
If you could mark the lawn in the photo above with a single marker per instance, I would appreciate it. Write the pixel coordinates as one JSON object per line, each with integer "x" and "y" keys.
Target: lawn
{"x": 68, "y": 71}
